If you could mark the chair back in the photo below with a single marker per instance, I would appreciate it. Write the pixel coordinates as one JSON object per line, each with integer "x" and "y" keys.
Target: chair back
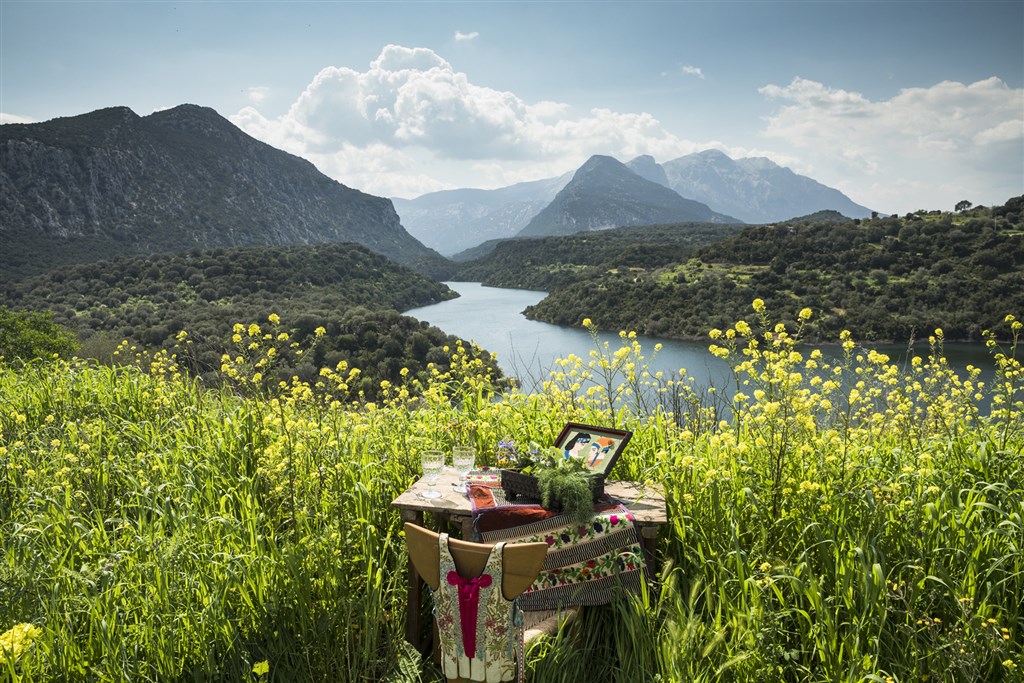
{"x": 521, "y": 562}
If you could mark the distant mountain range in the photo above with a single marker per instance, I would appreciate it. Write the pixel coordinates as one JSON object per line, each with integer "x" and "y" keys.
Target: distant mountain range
{"x": 755, "y": 190}
{"x": 111, "y": 183}
{"x": 604, "y": 194}
{"x": 711, "y": 186}
{"x": 454, "y": 220}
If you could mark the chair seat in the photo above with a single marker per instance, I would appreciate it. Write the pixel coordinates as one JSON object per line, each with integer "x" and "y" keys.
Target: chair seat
{"x": 547, "y": 622}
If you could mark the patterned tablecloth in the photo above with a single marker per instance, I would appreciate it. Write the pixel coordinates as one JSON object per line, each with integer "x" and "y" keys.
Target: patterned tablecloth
{"x": 586, "y": 564}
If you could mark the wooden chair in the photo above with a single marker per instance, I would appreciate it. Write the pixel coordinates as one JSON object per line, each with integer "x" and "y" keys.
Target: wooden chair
{"x": 521, "y": 563}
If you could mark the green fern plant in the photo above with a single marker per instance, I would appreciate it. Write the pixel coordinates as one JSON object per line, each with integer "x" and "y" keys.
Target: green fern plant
{"x": 567, "y": 482}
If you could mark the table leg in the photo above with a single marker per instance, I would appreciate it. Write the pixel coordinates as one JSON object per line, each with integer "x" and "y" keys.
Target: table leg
{"x": 414, "y": 602}
{"x": 467, "y": 528}
{"x": 649, "y": 541}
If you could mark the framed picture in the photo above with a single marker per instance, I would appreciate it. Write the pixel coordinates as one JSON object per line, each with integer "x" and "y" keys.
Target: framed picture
{"x": 597, "y": 447}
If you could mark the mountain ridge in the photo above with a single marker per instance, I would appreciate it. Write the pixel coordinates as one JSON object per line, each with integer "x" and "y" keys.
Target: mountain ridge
{"x": 605, "y": 193}
{"x": 454, "y": 220}
{"x": 111, "y": 182}
{"x": 753, "y": 190}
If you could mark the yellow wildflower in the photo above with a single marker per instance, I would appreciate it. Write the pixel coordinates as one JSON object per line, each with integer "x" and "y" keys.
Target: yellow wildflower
{"x": 16, "y": 640}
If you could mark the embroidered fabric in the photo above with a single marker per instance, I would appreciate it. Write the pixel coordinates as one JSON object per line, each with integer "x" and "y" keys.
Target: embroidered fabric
{"x": 476, "y": 625}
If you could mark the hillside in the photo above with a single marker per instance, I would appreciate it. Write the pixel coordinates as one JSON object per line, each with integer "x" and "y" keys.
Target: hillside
{"x": 350, "y": 291}
{"x": 890, "y": 278}
{"x": 604, "y": 193}
{"x": 547, "y": 263}
{"x": 111, "y": 183}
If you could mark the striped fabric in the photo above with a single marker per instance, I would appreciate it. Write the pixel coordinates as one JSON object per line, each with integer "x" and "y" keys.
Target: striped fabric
{"x": 586, "y": 564}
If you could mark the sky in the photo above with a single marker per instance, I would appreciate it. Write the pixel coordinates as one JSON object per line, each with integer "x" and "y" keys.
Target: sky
{"x": 900, "y": 105}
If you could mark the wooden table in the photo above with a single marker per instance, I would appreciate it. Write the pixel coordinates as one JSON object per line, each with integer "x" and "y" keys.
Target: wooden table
{"x": 452, "y": 509}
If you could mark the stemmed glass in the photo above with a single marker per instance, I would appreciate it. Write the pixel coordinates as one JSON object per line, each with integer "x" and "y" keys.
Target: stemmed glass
{"x": 432, "y": 462}
{"x": 463, "y": 460}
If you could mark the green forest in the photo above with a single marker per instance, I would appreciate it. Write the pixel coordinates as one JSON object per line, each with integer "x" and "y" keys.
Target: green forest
{"x": 548, "y": 263}
{"x": 890, "y": 278}
{"x": 352, "y": 293}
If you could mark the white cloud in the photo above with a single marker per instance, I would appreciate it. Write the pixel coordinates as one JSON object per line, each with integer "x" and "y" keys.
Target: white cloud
{"x": 923, "y": 148}
{"x": 14, "y": 118}
{"x": 693, "y": 71}
{"x": 257, "y": 94}
{"x": 472, "y": 35}
{"x": 412, "y": 121}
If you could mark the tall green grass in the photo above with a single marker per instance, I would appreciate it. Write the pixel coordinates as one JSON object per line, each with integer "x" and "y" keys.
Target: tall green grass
{"x": 847, "y": 522}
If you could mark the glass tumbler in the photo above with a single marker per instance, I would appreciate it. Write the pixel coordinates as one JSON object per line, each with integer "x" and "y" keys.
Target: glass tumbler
{"x": 463, "y": 460}
{"x": 432, "y": 462}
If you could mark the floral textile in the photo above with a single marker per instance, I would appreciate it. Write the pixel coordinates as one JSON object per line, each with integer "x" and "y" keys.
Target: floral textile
{"x": 484, "y": 648}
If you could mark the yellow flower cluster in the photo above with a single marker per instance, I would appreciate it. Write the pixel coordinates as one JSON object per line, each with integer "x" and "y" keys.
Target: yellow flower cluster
{"x": 15, "y": 641}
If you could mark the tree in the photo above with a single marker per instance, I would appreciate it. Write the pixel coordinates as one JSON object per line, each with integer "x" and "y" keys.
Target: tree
{"x": 27, "y": 335}
{"x": 962, "y": 205}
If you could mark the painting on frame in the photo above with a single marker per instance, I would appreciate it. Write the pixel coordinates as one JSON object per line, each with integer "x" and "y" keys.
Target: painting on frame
{"x": 597, "y": 447}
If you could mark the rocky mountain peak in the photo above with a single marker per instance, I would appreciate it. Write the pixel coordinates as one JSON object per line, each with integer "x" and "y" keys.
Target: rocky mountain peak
{"x": 193, "y": 119}
{"x": 113, "y": 183}
{"x": 605, "y": 193}
{"x": 646, "y": 167}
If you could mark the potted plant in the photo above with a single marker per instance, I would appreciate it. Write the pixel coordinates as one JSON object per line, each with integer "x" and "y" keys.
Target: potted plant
{"x": 544, "y": 474}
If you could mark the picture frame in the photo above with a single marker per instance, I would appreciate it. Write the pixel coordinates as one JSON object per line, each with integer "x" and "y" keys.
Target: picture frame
{"x": 599, "y": 447}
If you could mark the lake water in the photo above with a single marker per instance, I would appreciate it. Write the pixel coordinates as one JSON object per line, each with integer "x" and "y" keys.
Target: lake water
{"x": 492, "y": 317}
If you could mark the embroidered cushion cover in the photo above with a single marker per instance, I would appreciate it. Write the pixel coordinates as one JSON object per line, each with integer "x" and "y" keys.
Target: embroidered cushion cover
{"x": 477, "y": 626}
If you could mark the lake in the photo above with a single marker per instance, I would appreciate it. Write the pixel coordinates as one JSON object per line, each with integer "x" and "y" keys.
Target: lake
{"x": 492, "y": 318}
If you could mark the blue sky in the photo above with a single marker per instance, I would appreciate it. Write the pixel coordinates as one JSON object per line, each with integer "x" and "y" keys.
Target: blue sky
{"x": 901, "y": 105}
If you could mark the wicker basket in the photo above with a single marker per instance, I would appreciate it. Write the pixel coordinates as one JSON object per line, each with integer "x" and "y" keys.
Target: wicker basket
{"x": 516, "y": 484}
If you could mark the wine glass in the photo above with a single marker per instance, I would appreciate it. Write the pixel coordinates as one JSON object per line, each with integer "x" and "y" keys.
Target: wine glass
{"x": 463, "y": 460}
{"x": 432, "y": 462}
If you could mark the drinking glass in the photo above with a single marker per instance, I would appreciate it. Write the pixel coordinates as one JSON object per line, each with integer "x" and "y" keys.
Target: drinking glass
{"x": 463, "y": 460}
{"x": 432, "y": 462}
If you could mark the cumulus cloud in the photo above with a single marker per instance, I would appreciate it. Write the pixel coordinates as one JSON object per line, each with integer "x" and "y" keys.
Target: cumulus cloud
{"x": 410, "y": 123}
{"x": 472, "y": 35}
{"x": 950, "y": 138}
{"x": 411, "y": 115}
{"x": 693, "y": 71}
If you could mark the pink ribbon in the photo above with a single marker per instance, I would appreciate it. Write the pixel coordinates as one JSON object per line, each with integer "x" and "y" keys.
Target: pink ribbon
{"x": 469, "y": 606}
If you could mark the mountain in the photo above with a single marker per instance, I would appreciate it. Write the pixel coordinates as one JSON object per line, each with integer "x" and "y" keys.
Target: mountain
{"x": 467, "y": 223}
{"x": 453, "y": 220}
{"x": 111, "y": 183}
{"x": 646, "y": 167}
{"x": 605, "y": 193}
{"x": 755, "y": 190}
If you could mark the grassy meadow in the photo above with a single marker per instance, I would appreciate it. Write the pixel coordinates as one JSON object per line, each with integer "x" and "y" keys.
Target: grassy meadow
{"x": 830, "y": 521}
